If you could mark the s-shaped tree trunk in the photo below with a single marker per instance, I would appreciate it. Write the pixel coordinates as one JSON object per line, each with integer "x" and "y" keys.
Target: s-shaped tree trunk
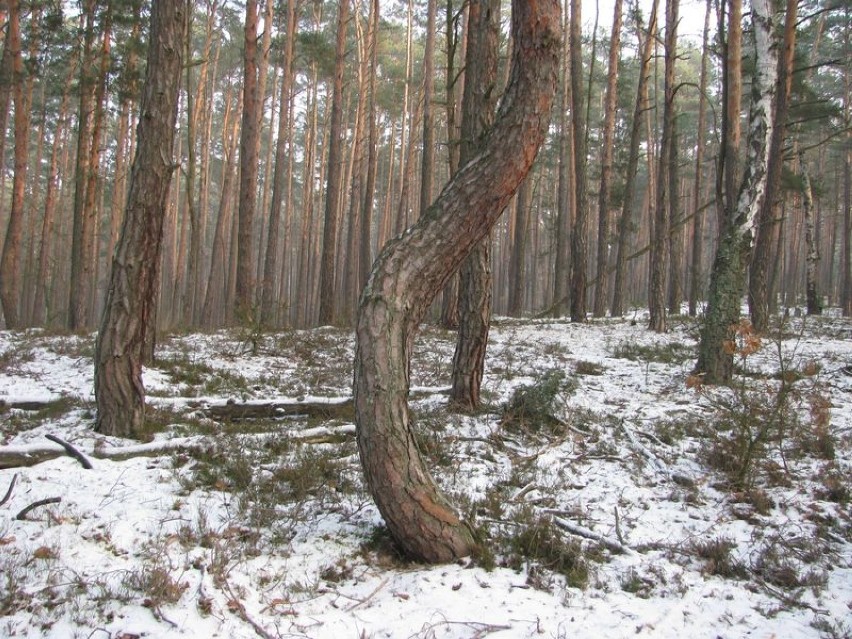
{"x": 413, "y": 268}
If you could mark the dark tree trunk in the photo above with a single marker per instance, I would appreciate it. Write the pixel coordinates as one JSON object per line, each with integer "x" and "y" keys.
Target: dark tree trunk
{"x": 327, "y": 296}
{"x": 413, "y": 268}
{"x": 518, "y": 256}
{"x": 249, "y": 134}
{"x": 812, "y": 296}
{"x": 695, "y": 275}
{"x": 625, "y": 225}
{"x": 268, "y": 306}
{"x": 579, "y": 233}
{"x": 131, "y": 300}
{"x": 610, "y": 103}
{"x": 10, "y": 262}
{"x": 478, "y": 102}
{"x": 660, "y": 241}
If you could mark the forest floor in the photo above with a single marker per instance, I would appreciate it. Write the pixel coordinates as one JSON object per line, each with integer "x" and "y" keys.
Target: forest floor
{"x": 618, "y": 496}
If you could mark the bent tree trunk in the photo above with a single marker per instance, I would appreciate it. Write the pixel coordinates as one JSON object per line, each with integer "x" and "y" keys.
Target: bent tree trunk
{"x": 412, "y": 269}
{"x": 131, "y": 300}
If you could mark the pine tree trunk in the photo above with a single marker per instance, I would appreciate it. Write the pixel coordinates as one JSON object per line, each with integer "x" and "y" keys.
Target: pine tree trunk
{"x": 518, "y": 256}
{"x": 414, "y": 267}
{"x": 812, "y": 296}
{"x": 610, "y": 102}
{"x": 328, "y": 295}
{"x": 695, "y": 276}
{"x": 249, "y": 136}
{"x": 269, "y": 305}
{"x": 478, "y": 104}
{"x": 10, "y": 262}
{"x": 131, "y": 299}
{"x": 626, "y": 223}
{"x": 580, "y": 230}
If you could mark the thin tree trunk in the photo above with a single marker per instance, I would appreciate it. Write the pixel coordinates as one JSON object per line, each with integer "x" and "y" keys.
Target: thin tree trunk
{"x": 414, "y": 267}
{"x": 249, "y": 137}
{"x": 695, "y": 275}
{"x": 328, "y": 295}
{"x": 119, "y": 391}
{"x": 610, "y": 103}
{"x": 518, "y": 256}
{"x": 268, "y": 306}
{"x": 625, "y": 227}
{"x": 564, "y": 192}
{"x": 580, "y": 230}
{"x": 812, "y": 295}
{"x": 365, "y": 260}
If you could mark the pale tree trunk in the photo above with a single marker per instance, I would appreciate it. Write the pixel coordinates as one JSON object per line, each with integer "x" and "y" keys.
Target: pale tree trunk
{"x": 268, "y": 305}
{"x": 249, "y": 135}
{"x": 10, "y": 262}
{"x": 727, "y": 281}
{"x": 610, "y": 102}
{"x": 119, "y": 391}
{"x": 695, "y": 275}
{"x": 480, "y": 96}
{"x": 660, "y": 254}
{"x": 626, "y": 223}
{"x": 767, "y": 224}
{"x": 328, "y": 295}
{"x": 579, "y": 233}
{"x": 410, "y": 272}
{"x": 814, "y": 300}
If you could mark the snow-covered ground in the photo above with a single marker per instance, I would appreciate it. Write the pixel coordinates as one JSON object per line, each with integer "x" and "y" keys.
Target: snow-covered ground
{"x": 618, "y": 512}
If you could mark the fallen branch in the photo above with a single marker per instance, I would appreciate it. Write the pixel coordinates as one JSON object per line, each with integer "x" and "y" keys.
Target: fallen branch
{"x": 11, "y": 488}
{"x": 41, "y": 502}
{"x": 73, "y": 452}
{"x": 230, "y": 411}
{"x": 586, "y": 533}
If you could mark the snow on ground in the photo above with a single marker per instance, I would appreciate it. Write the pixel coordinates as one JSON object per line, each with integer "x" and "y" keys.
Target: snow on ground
{"x": 619, "y": 511}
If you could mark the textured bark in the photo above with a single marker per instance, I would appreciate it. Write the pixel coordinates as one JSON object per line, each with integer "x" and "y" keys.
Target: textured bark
{"x": 727, "y": 281}
{"x": 814, "y": 300}
{"x": 475, "y": 280}
{"x": 131, "y": 299}
{"x": 610, "y": 102}
{"x": 662, "y": 220}
{"x": 518, "y": 255}
{"x": 579, "y": 232}
{"x": 625, "y": 225}
{"x": 695, "y": 275}
{"x": 249, "y": 136}
{"x": 414, "y": 267}
{"x": 768, "y": 221}
{"x": 327, "y": 299}
{"x": 10, "y": 262}
{"x": 268, "y": 306}
{"x": 365, "y": 252}
{"x": 83, "y": 226}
